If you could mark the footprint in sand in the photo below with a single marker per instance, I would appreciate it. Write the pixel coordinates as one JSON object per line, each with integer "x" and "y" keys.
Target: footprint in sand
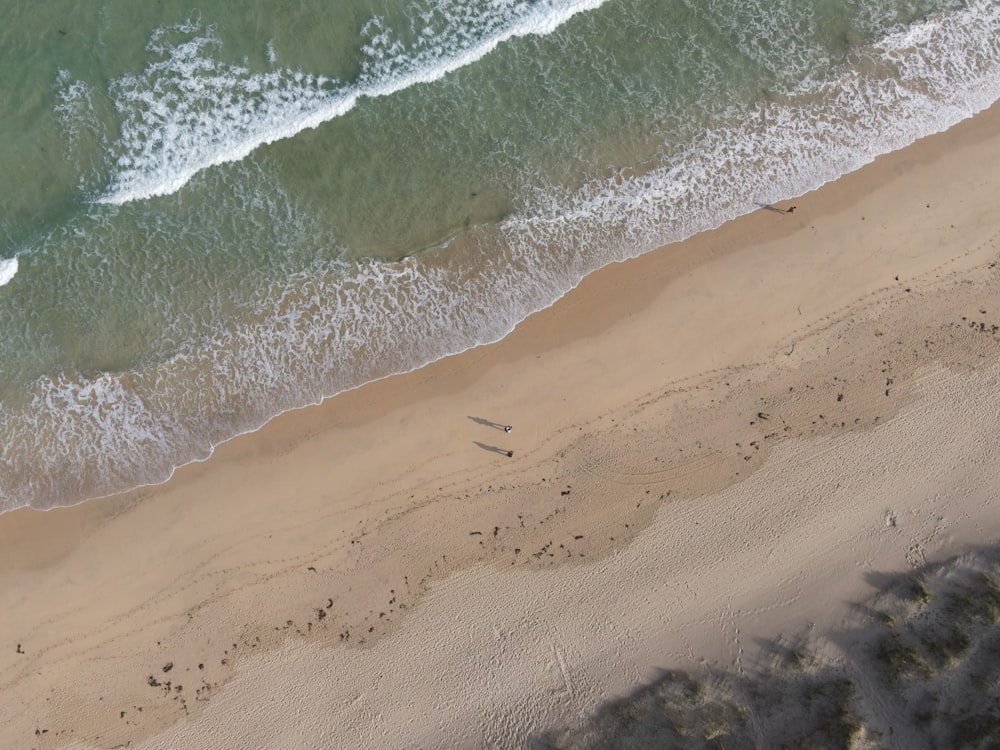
{"x": 915, "y": 555}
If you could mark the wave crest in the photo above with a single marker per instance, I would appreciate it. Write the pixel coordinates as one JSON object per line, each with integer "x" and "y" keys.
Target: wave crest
{"x": 8, "y": 268}
{"x": 187, "y": 111}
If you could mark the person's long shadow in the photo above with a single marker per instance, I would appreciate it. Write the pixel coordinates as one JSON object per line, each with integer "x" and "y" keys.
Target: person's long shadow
{"x": 769, "y": 207}
{"x": 491, "y": 448}
{"x": 487, "y": 423}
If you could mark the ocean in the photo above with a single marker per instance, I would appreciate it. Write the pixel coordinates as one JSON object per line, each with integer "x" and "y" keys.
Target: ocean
{"x": 211, "y": 215}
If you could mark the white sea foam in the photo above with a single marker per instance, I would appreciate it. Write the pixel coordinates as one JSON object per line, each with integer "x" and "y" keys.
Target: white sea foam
{"x": 928, "y": 79}
{"x": 187, "y": 111}
{"x": 335, "y": 326}
{"x": 84, "y": 137}
{"x": 8, "y": 268}
{"x": 74, "y": 104}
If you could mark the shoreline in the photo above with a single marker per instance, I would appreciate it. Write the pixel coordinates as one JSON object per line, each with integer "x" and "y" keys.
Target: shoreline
{"x": 352, "y": 501}
{"x": 760, "y": 231}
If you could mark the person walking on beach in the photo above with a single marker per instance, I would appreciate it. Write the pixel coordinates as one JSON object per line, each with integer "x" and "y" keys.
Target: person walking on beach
{"x": 790, "y": 209}
{"x": 507, "y": 429}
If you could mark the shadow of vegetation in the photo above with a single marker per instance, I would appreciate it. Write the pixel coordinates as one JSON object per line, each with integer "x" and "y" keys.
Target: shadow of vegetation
{"x": 719, "y": 710}
{"x": 921, "y": 668}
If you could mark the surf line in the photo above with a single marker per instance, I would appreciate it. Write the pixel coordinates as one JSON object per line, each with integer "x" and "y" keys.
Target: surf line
{"x": 144, "y": 175}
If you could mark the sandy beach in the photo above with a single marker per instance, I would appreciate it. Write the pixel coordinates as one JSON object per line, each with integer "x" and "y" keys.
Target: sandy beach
{"x": 722, "y": 444}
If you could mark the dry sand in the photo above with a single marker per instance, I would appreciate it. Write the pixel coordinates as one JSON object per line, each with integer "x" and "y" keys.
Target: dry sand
{"x": 714, "y": 445}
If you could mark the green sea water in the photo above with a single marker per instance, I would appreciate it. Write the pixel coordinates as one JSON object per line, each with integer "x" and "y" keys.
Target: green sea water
{"x": 212, "y": 214}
